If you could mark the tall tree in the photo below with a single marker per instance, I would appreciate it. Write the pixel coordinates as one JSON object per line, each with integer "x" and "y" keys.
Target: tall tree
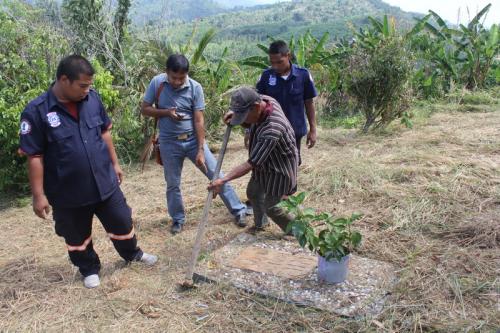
{"x": 86, "y": 21}
{"x": 120, "y": 23}
{"x": 121, "y": 18}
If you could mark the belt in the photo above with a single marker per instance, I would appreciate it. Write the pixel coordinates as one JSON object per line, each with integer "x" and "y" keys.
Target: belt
{"x": 184, "y": 136}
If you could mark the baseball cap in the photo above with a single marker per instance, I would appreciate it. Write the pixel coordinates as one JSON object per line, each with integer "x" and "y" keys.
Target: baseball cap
{"x": 241, "y": 102}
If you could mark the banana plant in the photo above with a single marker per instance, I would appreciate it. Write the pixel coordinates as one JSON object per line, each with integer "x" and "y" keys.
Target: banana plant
{"x": 384, "y": 28}
{"x": 307, "y": 51}
{"x": 465, "y": 54}
{"x": 219, "y": 75}
{"x": 370, "y": 37}
{"x": 418, "y": 27}
{"x": 198, "y": 53}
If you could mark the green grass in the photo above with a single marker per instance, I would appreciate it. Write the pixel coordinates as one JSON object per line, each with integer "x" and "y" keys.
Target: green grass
{"x": 343, "y": 122}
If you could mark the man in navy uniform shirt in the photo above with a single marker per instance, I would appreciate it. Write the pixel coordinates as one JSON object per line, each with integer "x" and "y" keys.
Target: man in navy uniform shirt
{"x": 73, "y": 167}
{"x": 293, "y": 87}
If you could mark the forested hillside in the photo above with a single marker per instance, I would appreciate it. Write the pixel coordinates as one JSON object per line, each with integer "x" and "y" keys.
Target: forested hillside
{"x": 239, "y": 28}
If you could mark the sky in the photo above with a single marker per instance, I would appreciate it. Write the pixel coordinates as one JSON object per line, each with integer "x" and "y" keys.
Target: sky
{"x": 448, "y": 9}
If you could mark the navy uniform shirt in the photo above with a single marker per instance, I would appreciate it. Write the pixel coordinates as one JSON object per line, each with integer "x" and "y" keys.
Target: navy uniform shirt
{"x": 77, "y": 165}
{"x": 290, "y": 93}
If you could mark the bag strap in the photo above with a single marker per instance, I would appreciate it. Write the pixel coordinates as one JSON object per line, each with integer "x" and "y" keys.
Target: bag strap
{"x": 158, "y": 92}
{"x": 192, "y": 95}
{"x": 157, "y": 98}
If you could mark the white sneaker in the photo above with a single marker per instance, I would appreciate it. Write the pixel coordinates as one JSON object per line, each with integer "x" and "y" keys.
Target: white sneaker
{"x": 148, "y": 259}
{"x": 91, "y": 281}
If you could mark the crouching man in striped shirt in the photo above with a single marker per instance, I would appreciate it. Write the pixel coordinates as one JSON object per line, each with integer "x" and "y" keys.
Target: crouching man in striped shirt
{"x": 273, "y": 155}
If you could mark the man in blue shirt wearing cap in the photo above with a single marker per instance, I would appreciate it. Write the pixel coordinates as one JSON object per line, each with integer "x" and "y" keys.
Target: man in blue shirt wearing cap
{"x": 73, "y": 167}
{"x": 180, "y": 104}
{"x": 293, "y": 87}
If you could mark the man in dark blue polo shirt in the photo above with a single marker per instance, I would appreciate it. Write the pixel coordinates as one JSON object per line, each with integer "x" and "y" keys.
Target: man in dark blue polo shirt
{"x": 293, "y": 87}
{"x": 73, "y": 167}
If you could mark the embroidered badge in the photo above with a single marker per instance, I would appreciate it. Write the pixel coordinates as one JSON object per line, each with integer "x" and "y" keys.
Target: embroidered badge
{"x": 25, "y": 127}
{"x": 272, "y": 80}
{"x": 53, "y": 119}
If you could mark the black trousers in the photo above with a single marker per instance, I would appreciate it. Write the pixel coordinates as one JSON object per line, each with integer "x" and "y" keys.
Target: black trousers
{"x": 298, "y": 141}
{"x": 75, "y": 226}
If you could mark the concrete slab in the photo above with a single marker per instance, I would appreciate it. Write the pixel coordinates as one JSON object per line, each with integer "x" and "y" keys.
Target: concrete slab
{"x": 274, "y": 262}
{"x": 279, "y": 268}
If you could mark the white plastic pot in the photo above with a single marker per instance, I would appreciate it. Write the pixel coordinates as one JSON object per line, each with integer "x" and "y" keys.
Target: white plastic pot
{"x": 333, "y": 271}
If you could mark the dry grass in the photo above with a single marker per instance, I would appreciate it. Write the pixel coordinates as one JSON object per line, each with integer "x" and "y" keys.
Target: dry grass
{"x": 431, "y": 203}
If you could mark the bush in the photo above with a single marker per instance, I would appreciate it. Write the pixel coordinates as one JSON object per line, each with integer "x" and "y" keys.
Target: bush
{"x": 123, "y": 109}
{"x": 378, "y": 78}
{"x": 28, "y": 59}
{"x": 12, "y": 172}
{"x": 103, "y": 83}
{"x": 477, "y": 97}
{"x": 428, "y": 83}
{"x": 128, "y": 128}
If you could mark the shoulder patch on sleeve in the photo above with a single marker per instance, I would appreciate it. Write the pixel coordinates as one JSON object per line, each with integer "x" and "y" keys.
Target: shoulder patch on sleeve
{"x": 25, "y": 127}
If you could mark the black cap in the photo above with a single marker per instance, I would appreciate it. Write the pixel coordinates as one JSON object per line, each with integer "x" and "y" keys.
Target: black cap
{"x": 241, "y": 102}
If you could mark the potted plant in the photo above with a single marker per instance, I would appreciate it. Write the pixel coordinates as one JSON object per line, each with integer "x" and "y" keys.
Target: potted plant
{"x": 330, "y": 238}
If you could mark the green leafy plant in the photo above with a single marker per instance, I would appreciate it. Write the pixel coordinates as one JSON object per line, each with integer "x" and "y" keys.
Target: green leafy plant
{"x": 378, "y": 78}
{"x": 335, "y": 238}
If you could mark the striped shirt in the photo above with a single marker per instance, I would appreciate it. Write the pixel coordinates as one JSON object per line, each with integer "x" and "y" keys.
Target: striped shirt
{"x": 273, "y": 152}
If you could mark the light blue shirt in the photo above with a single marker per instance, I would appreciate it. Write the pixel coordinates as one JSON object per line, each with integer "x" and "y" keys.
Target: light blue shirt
{"x": 187, "y": 99}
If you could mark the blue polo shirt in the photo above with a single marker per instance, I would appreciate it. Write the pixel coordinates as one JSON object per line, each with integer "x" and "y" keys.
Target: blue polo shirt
{"x": 187, "y": 99}
{"x": 290, "y": 93}
{"x": 77, "y": 164}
